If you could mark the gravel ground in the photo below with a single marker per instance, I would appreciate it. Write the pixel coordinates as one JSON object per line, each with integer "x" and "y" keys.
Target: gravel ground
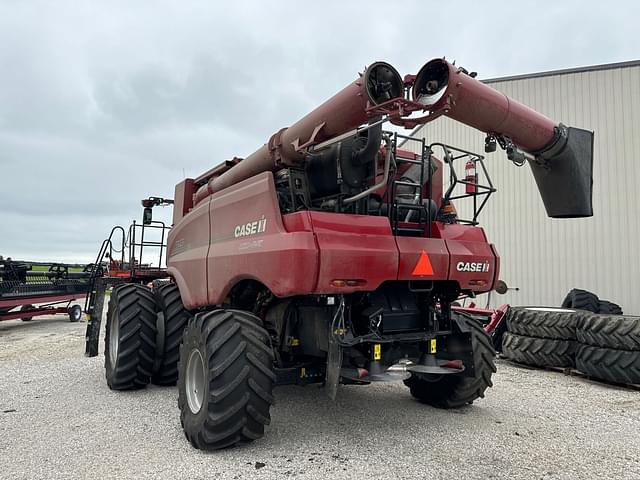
{"x": 59, "y": 420}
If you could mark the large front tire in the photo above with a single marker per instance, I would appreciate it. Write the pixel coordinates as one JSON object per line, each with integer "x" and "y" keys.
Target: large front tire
{"x": 225, "y": 379}
{"x": 174, "y": 320}
{"x": 455, "y": 390}
{"x": 129, "y": 343}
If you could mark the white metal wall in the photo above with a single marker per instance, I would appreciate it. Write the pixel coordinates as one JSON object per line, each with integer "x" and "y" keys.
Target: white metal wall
{"x": 547, "y": 257}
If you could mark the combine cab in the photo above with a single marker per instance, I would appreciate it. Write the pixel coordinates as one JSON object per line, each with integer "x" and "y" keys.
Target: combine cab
{"x": 333, "y": 255}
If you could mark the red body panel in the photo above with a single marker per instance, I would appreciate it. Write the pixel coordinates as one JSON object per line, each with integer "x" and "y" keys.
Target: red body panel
{"x": 267, "y": 255}
{"x": 183, "y": 199}
{"x": 34, "y": 299}
{"x": 469, "y": 245}
{"x": 187, "y": 250}
{"x": 239, "y": 234}
{"x": 35, "y": 312}
{"x": 465, "y": 255}
{"x": 411, "y": 249}
{"x": 354, "y": 247}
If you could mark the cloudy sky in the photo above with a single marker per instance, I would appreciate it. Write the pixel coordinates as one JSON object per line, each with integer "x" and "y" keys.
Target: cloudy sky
{"x": 104, "y": 103}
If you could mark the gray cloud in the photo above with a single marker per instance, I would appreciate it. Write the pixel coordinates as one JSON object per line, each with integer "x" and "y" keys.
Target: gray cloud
{"x": 102, "y": 104}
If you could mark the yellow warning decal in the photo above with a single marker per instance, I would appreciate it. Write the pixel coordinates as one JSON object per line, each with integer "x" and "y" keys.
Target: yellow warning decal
{"x": 377, "y": 351}
{"x": 433, "y": 346}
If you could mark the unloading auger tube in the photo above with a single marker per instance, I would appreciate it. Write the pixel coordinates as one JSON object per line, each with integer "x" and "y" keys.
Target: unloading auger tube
{"x": 345, "y": 111}
{"x": 561, "y": 157}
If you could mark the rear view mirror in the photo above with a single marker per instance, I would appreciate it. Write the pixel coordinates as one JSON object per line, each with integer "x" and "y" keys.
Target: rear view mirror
{"x": 147, "y": 216}
{"x": 501, "y": 287}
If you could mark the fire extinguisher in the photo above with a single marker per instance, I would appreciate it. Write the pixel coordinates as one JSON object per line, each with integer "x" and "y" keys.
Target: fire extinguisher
{"x": 471, "y": 177}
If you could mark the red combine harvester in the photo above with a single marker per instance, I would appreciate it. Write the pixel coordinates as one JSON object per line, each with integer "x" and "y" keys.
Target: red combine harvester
{"x": 331, "y": 255}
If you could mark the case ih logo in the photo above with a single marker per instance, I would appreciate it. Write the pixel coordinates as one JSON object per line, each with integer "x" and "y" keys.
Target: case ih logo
{"x": 250, "y": 228}
{"x": 482, "y": 267}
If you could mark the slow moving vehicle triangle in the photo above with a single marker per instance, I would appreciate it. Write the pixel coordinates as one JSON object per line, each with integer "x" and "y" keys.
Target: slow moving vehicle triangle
{"x": 423, "y": 267}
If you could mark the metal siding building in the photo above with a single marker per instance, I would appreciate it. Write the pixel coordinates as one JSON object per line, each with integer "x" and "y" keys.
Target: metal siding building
{"x": 547, "y": 257}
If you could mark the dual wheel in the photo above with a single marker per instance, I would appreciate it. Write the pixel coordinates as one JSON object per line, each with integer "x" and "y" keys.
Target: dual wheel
{"x": 222, "y": 361}
{"x": 143, "y": 335}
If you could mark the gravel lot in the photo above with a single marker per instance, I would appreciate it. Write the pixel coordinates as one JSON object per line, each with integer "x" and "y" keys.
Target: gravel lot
{"x": 58, "y": 419}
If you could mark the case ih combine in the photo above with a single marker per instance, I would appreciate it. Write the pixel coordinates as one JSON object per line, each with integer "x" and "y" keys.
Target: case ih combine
{"x": 332, "y": 255}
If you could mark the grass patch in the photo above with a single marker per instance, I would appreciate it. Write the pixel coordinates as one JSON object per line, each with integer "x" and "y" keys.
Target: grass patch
{"x": 45, "y": 268}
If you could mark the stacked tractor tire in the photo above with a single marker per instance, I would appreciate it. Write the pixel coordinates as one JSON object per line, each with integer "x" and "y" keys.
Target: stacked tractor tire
{"x": 610, "y": 348}
{"x": 587, "y": 334}
{"x": 542, "y": 337}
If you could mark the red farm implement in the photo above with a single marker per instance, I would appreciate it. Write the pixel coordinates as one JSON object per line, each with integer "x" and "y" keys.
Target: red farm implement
{"x": 31, "y": 289}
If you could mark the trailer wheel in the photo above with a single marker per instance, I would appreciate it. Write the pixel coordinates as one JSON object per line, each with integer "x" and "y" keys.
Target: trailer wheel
{"x": 610, "y": 331}
{"x": 581, "y": 300}
{"x": 26, "y": 307}
{"x": 453, "y": 391}
{"x": 225, "y": 379}
{"x": 129, "y": 344}
{"x": 173, "y": 320}
{"x": 543, "y": 322}
{"x": 539, "y": 352}
{"x": 620, "y": 366}
{"x": 75, "y": 313}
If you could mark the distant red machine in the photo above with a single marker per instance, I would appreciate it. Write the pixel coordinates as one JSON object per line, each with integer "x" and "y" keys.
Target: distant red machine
{"x": 27, "y": 292}
{"x": 332, "y": 255}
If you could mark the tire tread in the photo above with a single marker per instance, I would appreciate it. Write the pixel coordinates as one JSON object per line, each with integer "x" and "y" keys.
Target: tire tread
{"x": 556, "y": 325}
{"x": 610, "y": 331}
{"x": 134, "y": 306}
{"x": 581, "y": 300}
{"x": 454, "y": 391}
{"x": 539, "y": 352}
{"x": 619, "y": 366}
{"x": 176, "y": 318}
{"x": 240, "y": 379}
